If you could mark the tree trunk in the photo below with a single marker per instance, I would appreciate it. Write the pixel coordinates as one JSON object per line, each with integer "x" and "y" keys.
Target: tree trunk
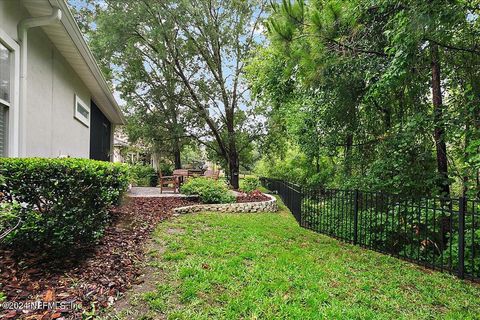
{"x": 387, "y": 119}
{"x": 233, "y": 168}
{"x": 177, "y": 131}
{"x": 348, "y": 154}
{"x": 176, "y": 155}
{"x": 439, "y": 129}
{"x": 465, "y": 177}
{"x": 233, "y": 161}
{"x": 475, "y": 131}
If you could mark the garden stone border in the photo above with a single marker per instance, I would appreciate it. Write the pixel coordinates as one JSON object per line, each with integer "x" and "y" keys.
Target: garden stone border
{"x": 262, "y": 206}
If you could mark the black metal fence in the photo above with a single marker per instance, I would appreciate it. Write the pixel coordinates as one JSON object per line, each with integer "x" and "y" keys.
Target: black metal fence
{"x": 439, "y": 233}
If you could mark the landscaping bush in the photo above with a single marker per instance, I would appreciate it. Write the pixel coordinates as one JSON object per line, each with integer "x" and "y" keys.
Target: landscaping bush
{"x": 65, "y": 201}
{"x": 249, "y": 184}
{"x": 166, "y": 168}
{"x": 9, "y": 212}
{"x": 143, "y": 176}
{"x": 9, "y": 216}
{"x": 208, "y": 190}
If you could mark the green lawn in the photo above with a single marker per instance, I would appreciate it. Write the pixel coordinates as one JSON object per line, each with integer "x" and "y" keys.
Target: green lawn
{"x": 263, "y": 266}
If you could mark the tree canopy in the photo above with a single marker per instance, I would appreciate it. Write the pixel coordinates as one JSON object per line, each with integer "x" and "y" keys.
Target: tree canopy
{"x": 384, "y": 93}
{"x": 180, "y": 65}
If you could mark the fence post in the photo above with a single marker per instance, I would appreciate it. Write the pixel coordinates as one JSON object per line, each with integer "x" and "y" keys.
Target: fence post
{"x": 461, "y": 237}
{"x": 355, "y": 217}
{"x": 300, "y": 212}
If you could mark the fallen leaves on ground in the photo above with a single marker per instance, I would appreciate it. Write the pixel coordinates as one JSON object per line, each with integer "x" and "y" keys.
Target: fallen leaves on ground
{"x": 254, "y": 196}
{"x": 90, "y": 277}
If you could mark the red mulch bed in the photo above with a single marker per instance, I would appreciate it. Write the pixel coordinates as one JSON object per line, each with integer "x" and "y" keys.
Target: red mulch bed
{"x": 254, "y": 196}
{"x": 97, "y": 275}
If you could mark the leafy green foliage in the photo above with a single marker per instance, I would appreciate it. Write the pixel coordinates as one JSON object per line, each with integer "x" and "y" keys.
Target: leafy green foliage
{"x": 249, "y": 184}
{"x": 296, "y": 167}
{"x": 414, "y": 229}
{"x": 143, "y": 176}
{"x": 9, "y": 215}
{"x": 66, "y": 200}
{"x": 166, "y": 168}
{"x": 350, "y": 82}
{"x": 208, "y": 190}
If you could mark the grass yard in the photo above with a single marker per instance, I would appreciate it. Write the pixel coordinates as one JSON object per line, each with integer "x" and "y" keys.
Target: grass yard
{"x": 263, "y": 266}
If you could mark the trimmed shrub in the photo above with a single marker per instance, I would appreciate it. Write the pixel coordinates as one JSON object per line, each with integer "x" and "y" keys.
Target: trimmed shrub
{"x": 167, "y": 169}
{"x": 9, "y": 216}
{"x": 65, "y": 201}
{"x": 143, "y": 176}
{"x": 208, "y": 190}
{"x": 249, "y": 184}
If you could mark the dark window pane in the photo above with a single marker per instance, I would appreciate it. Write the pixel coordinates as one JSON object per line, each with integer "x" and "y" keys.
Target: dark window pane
{"x": 82, "y": 110}
{"x": 4, "y": 73}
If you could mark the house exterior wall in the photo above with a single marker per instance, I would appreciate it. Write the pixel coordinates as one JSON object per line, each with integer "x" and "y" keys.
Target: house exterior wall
{"x": 52, "y": 86}
{"x": 49, "y": 126}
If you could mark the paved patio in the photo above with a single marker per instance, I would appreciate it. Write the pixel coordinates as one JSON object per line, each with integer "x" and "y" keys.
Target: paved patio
{"x": 153, "y": 192}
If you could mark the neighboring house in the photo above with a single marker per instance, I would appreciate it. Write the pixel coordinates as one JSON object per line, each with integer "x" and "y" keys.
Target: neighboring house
{"x": 120, "y": 144}
{"x": 54, "y": 100}
{"x": 126, "y": 152}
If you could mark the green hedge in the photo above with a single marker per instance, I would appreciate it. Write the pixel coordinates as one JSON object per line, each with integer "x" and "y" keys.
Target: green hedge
{"x": 208, "y": 190}
{"x": 143, "y": 176}
{"x": 65, "y": 201}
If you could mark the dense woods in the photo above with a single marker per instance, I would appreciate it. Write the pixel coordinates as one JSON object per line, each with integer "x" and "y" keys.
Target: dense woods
{"x": 379, "y": 95}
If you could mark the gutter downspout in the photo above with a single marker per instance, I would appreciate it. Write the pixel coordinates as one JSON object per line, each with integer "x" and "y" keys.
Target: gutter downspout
{"x": 23, "y": 27}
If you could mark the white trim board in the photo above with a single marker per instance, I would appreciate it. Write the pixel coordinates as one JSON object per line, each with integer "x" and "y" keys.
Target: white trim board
{"x": 85, "y": 119}
{"x": 13, "y": 114}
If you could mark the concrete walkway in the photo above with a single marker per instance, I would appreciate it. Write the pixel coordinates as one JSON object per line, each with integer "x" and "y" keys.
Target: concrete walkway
{"x": 153, "y": 192}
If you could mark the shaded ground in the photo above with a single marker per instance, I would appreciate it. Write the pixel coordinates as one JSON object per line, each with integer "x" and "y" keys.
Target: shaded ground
{"x": 263, "y": 266}
{"x": 91, "y": 277}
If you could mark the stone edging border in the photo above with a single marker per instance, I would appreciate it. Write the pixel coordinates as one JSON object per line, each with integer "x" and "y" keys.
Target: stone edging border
{"x": 262, "y": 206}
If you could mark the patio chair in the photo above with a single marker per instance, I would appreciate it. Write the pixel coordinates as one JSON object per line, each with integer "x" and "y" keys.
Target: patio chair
{"x": 168, "y": 182}
{"x": 211, "y": 174}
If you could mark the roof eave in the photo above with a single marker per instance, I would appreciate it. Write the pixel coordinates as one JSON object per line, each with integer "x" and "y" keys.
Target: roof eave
{"x": 74, "y": 31}
{"x": 66, "y": 35}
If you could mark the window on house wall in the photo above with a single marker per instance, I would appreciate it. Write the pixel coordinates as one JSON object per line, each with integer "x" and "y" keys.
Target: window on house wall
{"x": 82, "y": 111}
{"x": 5, "y": 93}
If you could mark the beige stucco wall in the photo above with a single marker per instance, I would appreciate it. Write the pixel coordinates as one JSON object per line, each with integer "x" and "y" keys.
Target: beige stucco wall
{"x": 51, "y": 129}
{"x": 10, "y": 14}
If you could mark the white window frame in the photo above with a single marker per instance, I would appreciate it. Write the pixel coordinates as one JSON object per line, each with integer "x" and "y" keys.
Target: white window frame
{"x": 77, "y": 115}
{"x": 13, "y": 111}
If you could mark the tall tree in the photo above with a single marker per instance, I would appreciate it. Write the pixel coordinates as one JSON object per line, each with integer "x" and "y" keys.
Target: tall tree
{"x": 156, "y": 111}
{"x": 386, "y": 88}
{"x": 203, "y": 44}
